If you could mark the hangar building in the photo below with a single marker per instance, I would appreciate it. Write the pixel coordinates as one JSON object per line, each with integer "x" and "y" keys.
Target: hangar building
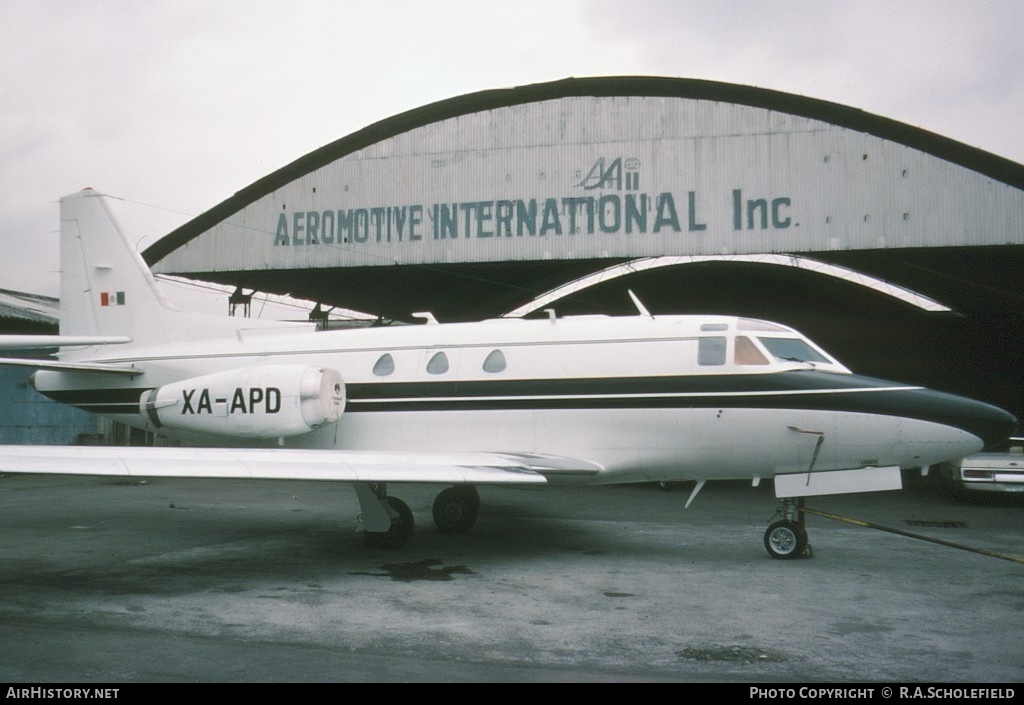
{"x": 897, "y": 249}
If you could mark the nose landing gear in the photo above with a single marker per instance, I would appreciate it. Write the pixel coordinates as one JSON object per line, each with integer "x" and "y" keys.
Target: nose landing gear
{"x": 787, "y": 538}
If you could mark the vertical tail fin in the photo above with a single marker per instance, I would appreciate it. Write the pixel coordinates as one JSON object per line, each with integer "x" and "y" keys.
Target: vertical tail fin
{"x": 106, "y": 288}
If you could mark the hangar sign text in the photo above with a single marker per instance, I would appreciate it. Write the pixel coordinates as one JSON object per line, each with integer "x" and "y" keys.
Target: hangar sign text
{"x": 611, "y": 203}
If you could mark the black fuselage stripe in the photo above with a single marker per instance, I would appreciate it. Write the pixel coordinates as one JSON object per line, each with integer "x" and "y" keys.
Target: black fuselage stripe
{"x": 615, "y": 392}
{"x": 786, "y": 390}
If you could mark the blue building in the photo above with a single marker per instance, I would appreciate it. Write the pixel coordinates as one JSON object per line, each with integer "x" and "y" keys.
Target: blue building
{"x": 27, "y": 417}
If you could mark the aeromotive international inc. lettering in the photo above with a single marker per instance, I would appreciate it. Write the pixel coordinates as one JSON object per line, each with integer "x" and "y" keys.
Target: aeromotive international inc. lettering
{"x": 619, "y": 208}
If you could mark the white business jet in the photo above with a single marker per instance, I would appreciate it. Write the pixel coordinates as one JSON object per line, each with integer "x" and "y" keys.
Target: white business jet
{"x": 589, "y": 400}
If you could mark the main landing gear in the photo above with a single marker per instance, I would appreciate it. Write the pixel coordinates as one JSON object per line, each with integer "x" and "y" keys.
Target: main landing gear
{"x": 787, "y": 538}
{"x": 388, "y": 521}
{"x": 456, "y": 509}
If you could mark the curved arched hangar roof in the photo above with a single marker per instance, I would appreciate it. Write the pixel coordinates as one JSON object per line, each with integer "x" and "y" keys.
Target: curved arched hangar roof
{"x": 473, "y": 205}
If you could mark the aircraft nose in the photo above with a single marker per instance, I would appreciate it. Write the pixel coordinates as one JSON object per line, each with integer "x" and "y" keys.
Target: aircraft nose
{"x": 989, "y": 423}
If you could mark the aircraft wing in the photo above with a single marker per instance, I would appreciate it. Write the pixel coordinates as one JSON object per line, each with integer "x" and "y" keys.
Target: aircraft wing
{"x": 293, "y": 464}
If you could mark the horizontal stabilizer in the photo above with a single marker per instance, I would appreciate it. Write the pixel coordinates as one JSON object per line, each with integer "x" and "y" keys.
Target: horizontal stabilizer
{"x": 32, "y": 342}
{"x": 44, "y": 364}
{"x": 285, "y": 464}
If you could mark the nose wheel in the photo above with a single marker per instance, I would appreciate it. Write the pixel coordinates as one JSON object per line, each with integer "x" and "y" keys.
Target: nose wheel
{"x": 787, "y": 538}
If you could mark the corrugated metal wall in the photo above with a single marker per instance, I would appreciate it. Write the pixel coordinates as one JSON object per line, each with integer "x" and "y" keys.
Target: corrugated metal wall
{"x": 27, "y": 417}
{"x": 583, "y": 177}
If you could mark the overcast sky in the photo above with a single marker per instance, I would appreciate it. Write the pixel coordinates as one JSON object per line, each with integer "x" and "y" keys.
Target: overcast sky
{"x": 173, "y": 105}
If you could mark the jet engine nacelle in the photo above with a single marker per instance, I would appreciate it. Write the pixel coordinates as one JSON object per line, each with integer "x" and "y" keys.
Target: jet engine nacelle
{"x": 255, "y": 402}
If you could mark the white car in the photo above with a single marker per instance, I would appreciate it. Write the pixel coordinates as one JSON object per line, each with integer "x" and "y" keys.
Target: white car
{"x": 993, "y": 472}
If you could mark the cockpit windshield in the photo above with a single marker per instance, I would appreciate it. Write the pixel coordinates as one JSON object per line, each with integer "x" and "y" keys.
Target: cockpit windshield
{"x": 792, "y": 349}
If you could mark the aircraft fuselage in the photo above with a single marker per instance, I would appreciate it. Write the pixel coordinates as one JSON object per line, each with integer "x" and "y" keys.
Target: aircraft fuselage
{"x": 647, "y": 399}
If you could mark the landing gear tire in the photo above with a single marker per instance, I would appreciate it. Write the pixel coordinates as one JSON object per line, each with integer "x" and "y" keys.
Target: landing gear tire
{"x": 456, "y": 509}
{"x": 785, "y": 540}
{"x": 401, "y": 527}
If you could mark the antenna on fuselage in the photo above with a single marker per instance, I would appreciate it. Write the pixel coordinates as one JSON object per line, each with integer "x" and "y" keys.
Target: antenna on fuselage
{"x": 639, "y": 304}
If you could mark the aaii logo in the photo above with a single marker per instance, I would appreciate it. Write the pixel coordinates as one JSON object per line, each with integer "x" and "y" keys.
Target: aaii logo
{"x": 613, "y": 175}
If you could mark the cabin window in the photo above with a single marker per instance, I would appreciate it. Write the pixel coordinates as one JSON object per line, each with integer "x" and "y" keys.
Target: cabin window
{"x": 711, "y": 350}
{"x": 495, "y": 362}
{"x": 384, "y": 366}
{"x": 747, "y": 353}
{"x": 438, "y": 364}
{"x": 792, "y": 349}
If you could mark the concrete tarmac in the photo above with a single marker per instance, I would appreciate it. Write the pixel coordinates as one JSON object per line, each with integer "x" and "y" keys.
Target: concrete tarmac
{"x": 175, "y": 580}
